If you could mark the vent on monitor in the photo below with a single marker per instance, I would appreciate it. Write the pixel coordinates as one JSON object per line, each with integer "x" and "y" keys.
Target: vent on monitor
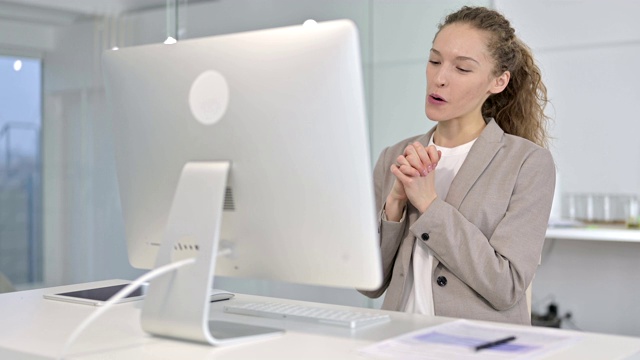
{"x": 229, "y": 204}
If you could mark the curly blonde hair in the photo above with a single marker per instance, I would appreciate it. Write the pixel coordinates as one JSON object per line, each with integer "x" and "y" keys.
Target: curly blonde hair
{"x": 519, "y": 108}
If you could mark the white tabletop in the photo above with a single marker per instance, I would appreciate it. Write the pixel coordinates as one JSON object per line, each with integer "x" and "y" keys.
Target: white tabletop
{"x": 595, "y": 233}
{"x": 36, "y": 328}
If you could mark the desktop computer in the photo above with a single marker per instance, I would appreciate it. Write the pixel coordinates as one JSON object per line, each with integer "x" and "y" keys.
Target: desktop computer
{"x": 249, "y": 153}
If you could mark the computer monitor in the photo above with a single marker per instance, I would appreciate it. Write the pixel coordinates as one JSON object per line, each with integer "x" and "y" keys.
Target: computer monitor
{"x": 282, "y": 112}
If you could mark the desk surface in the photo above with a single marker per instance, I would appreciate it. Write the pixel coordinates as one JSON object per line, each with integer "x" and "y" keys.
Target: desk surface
{"x": 595, "y": 233}
{"x": 36, "y": 328}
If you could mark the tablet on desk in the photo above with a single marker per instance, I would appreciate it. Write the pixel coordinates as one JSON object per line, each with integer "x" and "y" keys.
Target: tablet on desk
{"x": 97, "y": 296}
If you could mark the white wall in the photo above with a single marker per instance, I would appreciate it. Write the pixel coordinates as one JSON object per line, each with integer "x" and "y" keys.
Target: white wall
{"x": 25, "y": 39}
{"x": 588, "y": 51}
{"x": 588, "y": 68}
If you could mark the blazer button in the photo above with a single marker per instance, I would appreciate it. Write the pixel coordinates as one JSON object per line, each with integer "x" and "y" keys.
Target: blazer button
{"x": 441, "y": 280}
{"x": 425, "y": 236}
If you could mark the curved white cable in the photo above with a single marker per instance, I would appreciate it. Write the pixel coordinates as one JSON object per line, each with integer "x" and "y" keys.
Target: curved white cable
{"x": 120, "y": 295}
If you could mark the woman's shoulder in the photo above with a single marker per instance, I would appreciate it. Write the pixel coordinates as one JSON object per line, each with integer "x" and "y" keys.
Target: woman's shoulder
{"x": 515, "y": 150}
{"x": 513, "y": 144}
{"x": 516, "y": 143}
{"x": 523, "y": 151}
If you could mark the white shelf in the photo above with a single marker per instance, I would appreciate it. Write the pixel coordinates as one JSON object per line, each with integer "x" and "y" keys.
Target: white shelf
{"x": 595, "y": 233}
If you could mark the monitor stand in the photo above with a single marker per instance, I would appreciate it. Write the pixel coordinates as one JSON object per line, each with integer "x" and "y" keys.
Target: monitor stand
{"x": 177, "y": 303}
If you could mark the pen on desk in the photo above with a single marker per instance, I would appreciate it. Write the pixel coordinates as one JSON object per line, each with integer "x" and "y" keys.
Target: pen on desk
{"x": 491, "y": 344}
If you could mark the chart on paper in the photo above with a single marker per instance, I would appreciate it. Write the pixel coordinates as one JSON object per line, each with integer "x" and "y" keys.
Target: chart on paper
{"x": 459, "y": 339}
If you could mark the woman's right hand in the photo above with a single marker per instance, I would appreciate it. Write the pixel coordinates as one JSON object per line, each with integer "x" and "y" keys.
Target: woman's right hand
{"x": 416, "y": 161}
{"x": 397, "y": 198}
{"x": 396, "y": 201}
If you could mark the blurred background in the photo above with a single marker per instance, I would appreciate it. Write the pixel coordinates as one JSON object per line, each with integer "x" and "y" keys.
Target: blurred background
{"x": 60, "y": 219}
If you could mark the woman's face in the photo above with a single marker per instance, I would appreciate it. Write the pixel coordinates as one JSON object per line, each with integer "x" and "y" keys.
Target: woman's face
{"x": 460, "y": 74}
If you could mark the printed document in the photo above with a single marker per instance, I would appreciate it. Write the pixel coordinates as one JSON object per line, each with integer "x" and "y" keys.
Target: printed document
{"x": 458, "y": 340}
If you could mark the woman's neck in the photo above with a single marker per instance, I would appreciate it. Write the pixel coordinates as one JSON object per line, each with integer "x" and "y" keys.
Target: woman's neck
{"x": 454, "y": 132}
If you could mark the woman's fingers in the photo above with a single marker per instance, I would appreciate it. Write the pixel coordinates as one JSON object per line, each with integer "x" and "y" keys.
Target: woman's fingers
{"x": 395, "y": 170}
{"x": 423, "y": 159}
{"x": 427, "y": 162}
{"x": 433, "y": 154}
{"x": 412, "y": 154}
{"x": 406, "y": 167}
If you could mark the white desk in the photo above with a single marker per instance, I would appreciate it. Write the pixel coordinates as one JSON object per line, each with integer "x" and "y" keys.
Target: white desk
{"x": 601, "y": 233}
{"x": 36, "y": 328}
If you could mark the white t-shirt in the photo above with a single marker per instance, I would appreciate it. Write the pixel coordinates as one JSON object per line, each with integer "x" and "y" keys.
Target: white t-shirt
{"x": 419, "y": 299}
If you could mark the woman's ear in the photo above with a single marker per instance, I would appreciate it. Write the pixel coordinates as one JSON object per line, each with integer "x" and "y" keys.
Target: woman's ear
{"x": 500, "y": 83}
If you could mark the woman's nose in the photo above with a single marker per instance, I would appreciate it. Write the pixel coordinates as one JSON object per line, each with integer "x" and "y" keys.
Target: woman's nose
{"x": 440, "y": 78}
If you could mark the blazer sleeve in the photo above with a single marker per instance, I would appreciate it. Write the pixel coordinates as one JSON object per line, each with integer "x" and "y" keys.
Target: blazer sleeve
{"x": 499, "y": 267}
{"x": 391, "y": 232}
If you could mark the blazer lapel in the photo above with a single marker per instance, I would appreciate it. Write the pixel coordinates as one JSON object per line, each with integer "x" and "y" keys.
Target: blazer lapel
{"x": 479, "y": 157}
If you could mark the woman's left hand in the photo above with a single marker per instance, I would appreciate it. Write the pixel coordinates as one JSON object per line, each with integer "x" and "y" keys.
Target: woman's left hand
{"x": 420, "y": 190}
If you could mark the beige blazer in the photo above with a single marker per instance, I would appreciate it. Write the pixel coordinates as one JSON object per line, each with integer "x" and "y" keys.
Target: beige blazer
{"x": 486, "y": 236}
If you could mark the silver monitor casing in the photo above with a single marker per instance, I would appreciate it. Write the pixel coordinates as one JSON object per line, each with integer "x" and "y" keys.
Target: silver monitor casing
{"x": 299, "y": 203}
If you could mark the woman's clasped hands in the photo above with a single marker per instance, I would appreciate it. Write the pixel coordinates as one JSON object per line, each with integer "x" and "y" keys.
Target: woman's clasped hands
{"x": 415, "y": 176}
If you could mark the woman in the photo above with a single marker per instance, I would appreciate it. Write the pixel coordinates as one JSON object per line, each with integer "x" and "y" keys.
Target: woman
{"x": 464, "y": 208}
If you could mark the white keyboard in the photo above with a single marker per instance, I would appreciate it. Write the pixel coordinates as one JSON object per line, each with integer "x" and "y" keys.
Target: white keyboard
{"x": 343, "y": 318}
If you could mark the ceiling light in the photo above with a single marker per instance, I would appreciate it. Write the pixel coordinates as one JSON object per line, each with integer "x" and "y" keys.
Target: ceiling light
{"x": 309, "y": 23}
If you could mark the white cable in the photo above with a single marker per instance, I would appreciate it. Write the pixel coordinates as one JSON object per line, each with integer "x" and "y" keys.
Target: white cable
{"x": 120, "y": 295}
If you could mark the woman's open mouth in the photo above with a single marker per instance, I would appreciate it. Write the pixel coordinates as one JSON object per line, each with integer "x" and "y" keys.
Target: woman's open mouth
{"x": 436, "y": 99}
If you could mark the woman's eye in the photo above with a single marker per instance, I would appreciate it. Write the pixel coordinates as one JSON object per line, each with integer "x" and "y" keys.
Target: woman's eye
{"x": 434, "y": 62}
{"x": 464, "y": 70}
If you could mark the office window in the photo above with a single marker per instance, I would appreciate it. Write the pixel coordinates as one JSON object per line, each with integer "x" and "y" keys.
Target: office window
{"x": 20, "y": 169}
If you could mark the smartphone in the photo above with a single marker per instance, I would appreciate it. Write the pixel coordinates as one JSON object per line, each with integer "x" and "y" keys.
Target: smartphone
{"x": 97, "y": 296}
